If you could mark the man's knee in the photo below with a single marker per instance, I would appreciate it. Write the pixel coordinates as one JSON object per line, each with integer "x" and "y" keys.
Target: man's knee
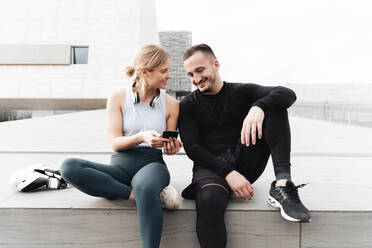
{"x": 276, "y": 126}
{"x": 211, "y": 200}
{"x": 276, "y": 115}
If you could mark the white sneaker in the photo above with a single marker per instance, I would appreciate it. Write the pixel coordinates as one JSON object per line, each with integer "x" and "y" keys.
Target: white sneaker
{"x": 26, "y": 181}
{"x": 17, "y": 178}
{"x": 169, "y": 198}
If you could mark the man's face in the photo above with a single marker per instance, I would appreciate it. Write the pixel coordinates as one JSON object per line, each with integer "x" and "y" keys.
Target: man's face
{"x": 202, "y": 71}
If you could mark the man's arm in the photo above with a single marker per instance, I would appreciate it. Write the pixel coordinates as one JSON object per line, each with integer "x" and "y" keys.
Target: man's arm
{"x": 267, "y": 97}
{"x": 190, "y": 136}
{"x": 262, "y": 99}
{"x": 259, "y": 99}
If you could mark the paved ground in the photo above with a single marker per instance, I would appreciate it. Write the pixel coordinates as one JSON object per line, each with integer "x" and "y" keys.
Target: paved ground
{"x": 85, "y": 132}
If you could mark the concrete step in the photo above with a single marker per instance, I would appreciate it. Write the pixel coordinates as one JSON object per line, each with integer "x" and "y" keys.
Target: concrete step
{"x": 342, "y": 215}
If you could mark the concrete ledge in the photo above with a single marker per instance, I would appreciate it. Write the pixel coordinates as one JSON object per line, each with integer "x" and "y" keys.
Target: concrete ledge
{"x": 52, "y": 103}
{"x": 114, "y": 224}
{"x": 70, "y": 218}
{"x": 35, "y": 54}
{"x": 118, "y": 228}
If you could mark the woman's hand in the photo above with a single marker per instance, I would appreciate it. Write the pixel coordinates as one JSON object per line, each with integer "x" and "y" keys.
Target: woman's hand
{"x": 153, "y": 139}
{"x": 172, "y": 146}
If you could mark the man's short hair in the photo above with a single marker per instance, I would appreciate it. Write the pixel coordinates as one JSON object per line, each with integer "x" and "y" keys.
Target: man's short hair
{"x": 204, "y": 48}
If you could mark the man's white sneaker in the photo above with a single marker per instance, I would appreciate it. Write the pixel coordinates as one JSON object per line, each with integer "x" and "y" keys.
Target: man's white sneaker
{"x": 169, "y": 198}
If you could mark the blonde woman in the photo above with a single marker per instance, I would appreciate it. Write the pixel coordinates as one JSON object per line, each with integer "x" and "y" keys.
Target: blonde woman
{"x": 137, "y": 116}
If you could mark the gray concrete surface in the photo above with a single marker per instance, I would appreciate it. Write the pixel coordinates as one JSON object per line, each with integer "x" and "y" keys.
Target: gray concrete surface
{"x": 85, "y": 132}
{"x": 334, "y": 159}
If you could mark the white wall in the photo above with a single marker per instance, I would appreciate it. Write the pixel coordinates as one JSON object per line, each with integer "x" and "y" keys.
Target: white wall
{"x": 113, "y": 29}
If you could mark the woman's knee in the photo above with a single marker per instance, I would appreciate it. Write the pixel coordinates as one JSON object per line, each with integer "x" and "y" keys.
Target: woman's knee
{"x": 145, "y": 194}
{"x": 69, "y": 167}
{"x": 152, "y": 177}
{"x": 144, "y": 189}
{"x": 162, "y": 174}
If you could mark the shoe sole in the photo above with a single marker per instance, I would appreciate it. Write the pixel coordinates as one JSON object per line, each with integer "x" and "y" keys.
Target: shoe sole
{"x": 275, "y": 204}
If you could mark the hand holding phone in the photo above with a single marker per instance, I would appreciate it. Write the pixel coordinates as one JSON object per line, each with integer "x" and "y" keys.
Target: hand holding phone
{"x": 167, "y": 134}
{"x": 174, "y": 145}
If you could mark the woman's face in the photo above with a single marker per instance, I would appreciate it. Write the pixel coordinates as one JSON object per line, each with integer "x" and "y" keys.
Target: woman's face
{"x": 159, "y": 77}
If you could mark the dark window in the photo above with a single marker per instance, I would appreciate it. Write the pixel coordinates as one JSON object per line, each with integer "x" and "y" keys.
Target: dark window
{"x": 80, "y": 55}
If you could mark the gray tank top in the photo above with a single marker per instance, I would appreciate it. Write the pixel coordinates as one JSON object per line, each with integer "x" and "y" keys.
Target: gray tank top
{"x": 139, "y": 117}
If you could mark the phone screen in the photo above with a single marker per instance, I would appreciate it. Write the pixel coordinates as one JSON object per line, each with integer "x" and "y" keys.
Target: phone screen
{"x": 167, "y": 134}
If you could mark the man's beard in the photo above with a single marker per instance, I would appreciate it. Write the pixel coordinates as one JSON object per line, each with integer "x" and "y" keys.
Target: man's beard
{"x": 212, "y": 80}
{"x": 208, "y": 89}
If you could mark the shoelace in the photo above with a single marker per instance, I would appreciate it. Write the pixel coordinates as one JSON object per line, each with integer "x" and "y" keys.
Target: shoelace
{"x": 301, "y": 185}
{"x": 292, "y": 192}
{"x": 54, "y": 174}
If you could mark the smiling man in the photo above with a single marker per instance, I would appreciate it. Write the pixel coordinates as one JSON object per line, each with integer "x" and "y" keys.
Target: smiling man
{"x": 229, "y": 130}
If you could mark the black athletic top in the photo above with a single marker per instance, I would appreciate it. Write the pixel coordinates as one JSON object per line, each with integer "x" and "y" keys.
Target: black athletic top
{"x": 211, "y": 124}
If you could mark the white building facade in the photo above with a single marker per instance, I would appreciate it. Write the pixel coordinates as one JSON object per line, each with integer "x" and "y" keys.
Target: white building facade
{"x": 37, "y": 39}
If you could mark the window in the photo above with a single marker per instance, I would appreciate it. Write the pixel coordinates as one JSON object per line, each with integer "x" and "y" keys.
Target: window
{"x": 80, "y": 55}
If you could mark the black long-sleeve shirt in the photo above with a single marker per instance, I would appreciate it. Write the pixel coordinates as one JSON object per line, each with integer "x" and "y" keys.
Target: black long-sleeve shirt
{"x": 211, "y": 124}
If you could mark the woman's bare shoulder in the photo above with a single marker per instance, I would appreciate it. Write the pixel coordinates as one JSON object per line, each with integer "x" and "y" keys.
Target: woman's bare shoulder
{"x": 117, "y": 98}
{"x": 172, "y": 101}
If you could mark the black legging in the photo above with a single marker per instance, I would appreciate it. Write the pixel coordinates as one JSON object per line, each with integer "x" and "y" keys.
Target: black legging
{"x": 276, "y": 141}
{"x": 211, "y": 201}
{"x": 212, "y": 194}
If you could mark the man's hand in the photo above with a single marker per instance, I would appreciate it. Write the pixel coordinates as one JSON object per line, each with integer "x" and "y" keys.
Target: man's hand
{"x": 241, "y": 187}
{"x": 251, "y": 125}
{"x": 172, "y": 146}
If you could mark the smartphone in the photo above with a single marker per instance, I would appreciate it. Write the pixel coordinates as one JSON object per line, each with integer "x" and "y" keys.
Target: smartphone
{"x": 167, "y": 134}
